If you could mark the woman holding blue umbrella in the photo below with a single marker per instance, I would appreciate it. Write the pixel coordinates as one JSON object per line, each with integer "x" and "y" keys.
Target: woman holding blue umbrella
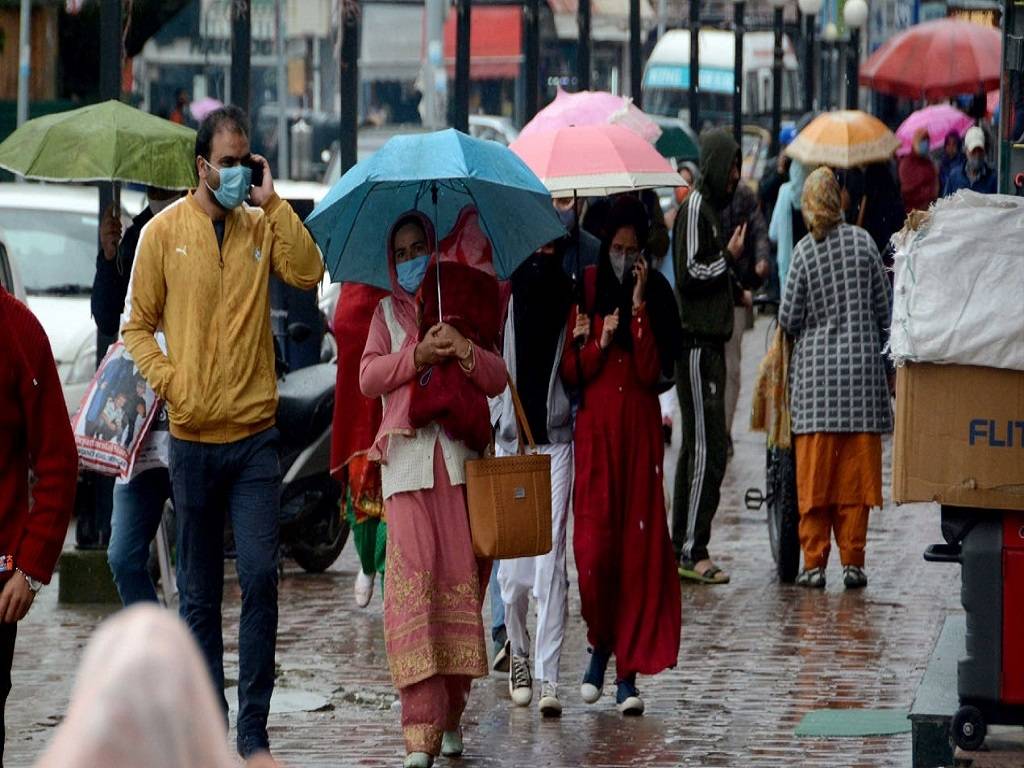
{"x": 432, "y": 604}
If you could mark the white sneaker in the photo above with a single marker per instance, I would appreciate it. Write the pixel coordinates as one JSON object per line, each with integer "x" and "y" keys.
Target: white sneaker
{"x": 364, "y": 588}
{"x": 419, "y": 760}
{"x": 550, "y": 706}
{"x": 520, "y": 681}
{"x": 451, "y": 744}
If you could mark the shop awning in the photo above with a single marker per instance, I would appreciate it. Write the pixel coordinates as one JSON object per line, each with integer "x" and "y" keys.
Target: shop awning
{"x": 392, "y": 42}
{"x": 495, "y": 42}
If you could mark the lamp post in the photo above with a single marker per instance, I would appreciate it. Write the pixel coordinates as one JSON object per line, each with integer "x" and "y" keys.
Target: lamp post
{"x": 583, "y": 45}
{"x": 855, "y": 14}
{"x": 829, "y": 35}
{"x": 635, "y": 55}
{"x": 463, "y": 27}
{"x": 695, "y": 65}
{"x": 778, "y": 6}
{"x": 739, "y": 6}
{"x": 810, "y": 9}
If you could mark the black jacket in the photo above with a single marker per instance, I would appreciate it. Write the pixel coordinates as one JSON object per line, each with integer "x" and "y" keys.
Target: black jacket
{"x": 704, "y": 276}
{"x": 110, "y": 286}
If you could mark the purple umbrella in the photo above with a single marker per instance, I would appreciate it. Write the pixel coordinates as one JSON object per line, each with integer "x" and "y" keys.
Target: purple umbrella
{"x": 939, "y": 120}
{"x": 200, "y": 109}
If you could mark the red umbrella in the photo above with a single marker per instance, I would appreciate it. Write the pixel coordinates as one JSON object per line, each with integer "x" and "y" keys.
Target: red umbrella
{"x": 936, "y": 60}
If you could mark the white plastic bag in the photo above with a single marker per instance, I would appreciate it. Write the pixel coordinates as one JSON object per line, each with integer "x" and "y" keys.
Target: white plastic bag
{"x": 959, "y": 284}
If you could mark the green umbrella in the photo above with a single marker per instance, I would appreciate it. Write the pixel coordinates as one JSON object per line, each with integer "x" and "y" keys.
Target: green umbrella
{"x": 103, "y": 142}
{"x": 677, "y": 140}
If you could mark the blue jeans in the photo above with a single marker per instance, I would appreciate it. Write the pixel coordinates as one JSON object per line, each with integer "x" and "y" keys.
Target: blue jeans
{"x": 138, "y": 508}
{"x": 242, "y": 479}
{"x": 497, "y": 604}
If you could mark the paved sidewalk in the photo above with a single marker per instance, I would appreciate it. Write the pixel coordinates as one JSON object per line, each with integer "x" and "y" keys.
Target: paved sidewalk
{"x": 755, "y": 657}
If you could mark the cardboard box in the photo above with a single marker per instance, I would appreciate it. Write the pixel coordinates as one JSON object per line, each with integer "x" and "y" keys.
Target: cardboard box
{"x": 959, "y": 436}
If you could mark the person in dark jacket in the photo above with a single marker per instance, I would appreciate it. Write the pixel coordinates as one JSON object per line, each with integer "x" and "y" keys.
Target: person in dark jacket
{"x": 35, "y": 436}
{"x": 137, "y": 505}
{"x": 751, "y": 269}
{"x": 114, "y": 265}
{"x": 705, "y": 285}
{"x": 952, "y": 157}
{"x": 975, "y": 173}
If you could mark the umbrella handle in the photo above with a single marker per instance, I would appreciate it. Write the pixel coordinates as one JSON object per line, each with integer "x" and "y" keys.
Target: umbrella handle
{"x": 437, "y": 252}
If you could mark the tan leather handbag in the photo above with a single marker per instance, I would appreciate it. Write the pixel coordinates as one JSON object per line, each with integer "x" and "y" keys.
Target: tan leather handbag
{"x": 509, "y": 498}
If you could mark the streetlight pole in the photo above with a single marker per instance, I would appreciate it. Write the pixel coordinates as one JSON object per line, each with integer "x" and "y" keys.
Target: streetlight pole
{"x": 24, "y": 60}
{"x": 241, "y": 53}
{"x": 778, "y": 6}
{"x": 695, "y": 65}
{"x": 532, "y": 60}
{"x": 739, "y": 6}
{"x": 635, "y": 60}
{"x": 583, "y": 46}
{"x": 810, "y": 9}
{"x": 855, "y": 14}
{"x": 348, "y": 148}
{"x": 464, "y": 9}
{"x": 829, "y": 35}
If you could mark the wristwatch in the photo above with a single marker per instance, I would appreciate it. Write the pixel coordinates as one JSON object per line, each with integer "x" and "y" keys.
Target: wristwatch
{"x": 34, "y": 585}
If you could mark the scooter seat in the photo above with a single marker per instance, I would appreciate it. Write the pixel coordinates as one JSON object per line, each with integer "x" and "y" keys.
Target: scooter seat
{"x": 305, "y": 403}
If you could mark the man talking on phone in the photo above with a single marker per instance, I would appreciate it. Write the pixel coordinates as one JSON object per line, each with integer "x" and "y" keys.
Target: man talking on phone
{"x": 201, "y": 274}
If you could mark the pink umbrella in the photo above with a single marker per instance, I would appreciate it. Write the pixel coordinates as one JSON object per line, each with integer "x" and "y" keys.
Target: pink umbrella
{"x": 200, "y": 109}
{"x": 592, "y": 108}
{"x": 594, "y": 161}
{"x": 939, "y": 120}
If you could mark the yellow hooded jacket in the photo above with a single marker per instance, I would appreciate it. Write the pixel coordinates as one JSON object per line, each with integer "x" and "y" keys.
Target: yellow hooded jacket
{"x": 213, "y": 305}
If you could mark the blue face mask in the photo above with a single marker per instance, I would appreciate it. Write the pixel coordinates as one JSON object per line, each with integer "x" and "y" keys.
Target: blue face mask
{"x": 234, "y": 185}
{"x": 411, "y": 273}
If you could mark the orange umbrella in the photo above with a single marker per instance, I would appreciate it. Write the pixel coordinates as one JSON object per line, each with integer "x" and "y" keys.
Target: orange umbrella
{"x": 843, "y": 139}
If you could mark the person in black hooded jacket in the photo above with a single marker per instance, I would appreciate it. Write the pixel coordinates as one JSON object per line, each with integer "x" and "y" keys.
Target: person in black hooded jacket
{"x": 705, "y": 282}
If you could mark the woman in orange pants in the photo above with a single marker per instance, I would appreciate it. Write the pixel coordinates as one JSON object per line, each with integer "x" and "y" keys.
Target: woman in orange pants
{"x": 836, "y": 306}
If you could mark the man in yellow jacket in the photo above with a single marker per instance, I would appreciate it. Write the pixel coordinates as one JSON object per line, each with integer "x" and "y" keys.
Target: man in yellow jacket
{"x": 201, "y": 275}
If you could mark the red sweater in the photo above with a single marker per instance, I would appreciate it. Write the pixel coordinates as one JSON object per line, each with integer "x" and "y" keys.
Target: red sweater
{"x": 35, "y": 434}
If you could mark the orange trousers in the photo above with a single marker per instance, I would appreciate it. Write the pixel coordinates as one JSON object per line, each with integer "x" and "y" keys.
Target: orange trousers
{"x": 839, "y": 479}
{"x": 850, "y": 523}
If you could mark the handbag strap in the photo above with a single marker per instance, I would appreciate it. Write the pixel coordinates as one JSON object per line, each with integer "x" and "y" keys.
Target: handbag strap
{"x": 521, "y": 422}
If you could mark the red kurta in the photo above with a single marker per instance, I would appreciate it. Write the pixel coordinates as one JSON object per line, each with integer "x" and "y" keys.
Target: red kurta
{"x": 629, "y": 587}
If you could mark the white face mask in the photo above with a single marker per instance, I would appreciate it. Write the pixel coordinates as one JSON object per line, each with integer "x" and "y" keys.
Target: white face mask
{"x": 158, "y": 205}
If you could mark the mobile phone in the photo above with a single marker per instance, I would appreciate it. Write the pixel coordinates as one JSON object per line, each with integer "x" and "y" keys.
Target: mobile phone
{"x": 257, "y": 171}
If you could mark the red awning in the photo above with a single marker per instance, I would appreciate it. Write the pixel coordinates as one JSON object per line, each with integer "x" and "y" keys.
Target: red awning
{"x": 495, "y": 42}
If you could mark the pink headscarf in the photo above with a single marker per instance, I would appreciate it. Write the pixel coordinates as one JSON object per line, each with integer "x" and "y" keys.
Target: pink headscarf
{"x": 143, "y": 697}
{"x": 406, "y": 307}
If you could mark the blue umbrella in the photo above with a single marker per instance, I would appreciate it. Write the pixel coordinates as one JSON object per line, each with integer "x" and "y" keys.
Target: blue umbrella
{"x": 437, "y": 174}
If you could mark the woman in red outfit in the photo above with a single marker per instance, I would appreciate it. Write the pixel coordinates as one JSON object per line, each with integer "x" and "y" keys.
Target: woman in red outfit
{"x": 628, "y": 584}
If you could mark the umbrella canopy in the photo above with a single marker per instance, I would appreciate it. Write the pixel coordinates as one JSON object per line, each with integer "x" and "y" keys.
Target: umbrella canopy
{"x": 939, "y": 120}
{"x": 594, "y": 161}
{"x": 351, "y": 223}
{"x": 843, "y": 139}
{"x": 678, "y": 141}
{"x": 592, "y": 108}
{"x": 200, "y": 109}
{"x": 103, "y": 142}
{"x": 936, "y": 60}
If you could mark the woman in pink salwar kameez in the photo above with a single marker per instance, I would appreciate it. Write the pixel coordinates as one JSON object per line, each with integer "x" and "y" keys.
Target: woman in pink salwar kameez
{"x": 432, "y": 603}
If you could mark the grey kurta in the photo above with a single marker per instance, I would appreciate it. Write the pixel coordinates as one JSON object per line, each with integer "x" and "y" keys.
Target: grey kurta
{"x": 836, "y": 305}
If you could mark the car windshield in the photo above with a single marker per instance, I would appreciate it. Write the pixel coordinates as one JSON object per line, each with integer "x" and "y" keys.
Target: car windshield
{"x": 54, "y": 251}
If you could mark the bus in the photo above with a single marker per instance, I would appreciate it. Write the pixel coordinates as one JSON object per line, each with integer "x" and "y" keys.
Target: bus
{"x": 666, "y": 85}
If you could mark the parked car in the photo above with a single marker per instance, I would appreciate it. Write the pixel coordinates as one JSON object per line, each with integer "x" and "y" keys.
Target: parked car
{"x": 52, "y": 237}
{"x": 9, "y": 277}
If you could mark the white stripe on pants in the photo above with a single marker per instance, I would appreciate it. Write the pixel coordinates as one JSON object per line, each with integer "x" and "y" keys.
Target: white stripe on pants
{"x": 545, "y": 576}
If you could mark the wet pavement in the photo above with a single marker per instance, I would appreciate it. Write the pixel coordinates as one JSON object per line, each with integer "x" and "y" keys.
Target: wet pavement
{"x": 755, "y": 657}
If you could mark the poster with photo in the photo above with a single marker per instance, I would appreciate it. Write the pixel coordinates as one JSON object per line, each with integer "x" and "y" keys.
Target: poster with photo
{"x": 116, "y": 413}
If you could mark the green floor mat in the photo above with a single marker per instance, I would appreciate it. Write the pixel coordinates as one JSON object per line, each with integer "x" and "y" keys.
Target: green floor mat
{"x": 854, "y": 722}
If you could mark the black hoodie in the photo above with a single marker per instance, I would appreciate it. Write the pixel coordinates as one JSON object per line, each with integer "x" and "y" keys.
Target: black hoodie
{"x": 704, "y": 277}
